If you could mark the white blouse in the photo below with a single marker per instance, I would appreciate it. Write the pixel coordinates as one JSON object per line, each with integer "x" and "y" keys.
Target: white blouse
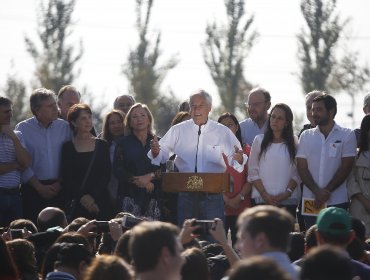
{"x": 275, "y": 168}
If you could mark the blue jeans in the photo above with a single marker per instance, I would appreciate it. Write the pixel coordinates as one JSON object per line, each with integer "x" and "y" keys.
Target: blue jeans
{"x": 311, "y": 220}
{"x": 10, "y": 208}
{"x": 202, "y": 206}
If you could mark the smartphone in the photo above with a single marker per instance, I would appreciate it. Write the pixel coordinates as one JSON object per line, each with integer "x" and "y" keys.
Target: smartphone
{"x": 102, "y": 226}
{"x": 16, "y": 233}
{"x": 130, "y": 222}
{"x": 204, "y": 226}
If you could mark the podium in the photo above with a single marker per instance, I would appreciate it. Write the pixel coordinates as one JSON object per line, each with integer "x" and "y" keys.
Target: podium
{"x": 196, "y": 182}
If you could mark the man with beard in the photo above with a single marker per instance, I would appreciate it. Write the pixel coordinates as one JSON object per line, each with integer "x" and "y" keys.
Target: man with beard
{"x": 325, "y": 157}
{"x": 258, "y": 103}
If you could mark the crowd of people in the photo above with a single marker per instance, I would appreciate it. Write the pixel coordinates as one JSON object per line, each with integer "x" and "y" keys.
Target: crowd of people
{"x": 76, "y": 203}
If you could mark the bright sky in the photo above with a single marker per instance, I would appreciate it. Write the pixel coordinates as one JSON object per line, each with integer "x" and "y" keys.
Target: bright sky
{"x": 107, "y": 31}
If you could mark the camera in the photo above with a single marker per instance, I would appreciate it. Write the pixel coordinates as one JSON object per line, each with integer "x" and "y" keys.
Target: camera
{"x": 16, "y": 233}
{"x": 102, "y": 226}
{"x": 130, "y": 222}
{"x": 204, "y": 226}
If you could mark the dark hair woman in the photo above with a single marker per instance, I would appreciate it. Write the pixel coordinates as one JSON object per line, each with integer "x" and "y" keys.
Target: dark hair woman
{"x": 113, "y": 129}
{"x": 272, "y": 167}
{"x": 85, "y": 168}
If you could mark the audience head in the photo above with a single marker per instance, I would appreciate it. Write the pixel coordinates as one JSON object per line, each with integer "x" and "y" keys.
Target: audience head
{"x": 180, "y": 117}
{"x": 200, "y": 106}
{"x": 263, "y": 228}
{"x": 229, "y": 120}
{"x": 139, "y": 118}
{"x": 77, "y": 223}
{"x": 258, "y": 103}
{"x": 326, "y": 262}
{"x": 23, "y": 223}
{"x": 49, "y": 260}
{"x": 73, "y": 257}
{"x": 324, "y": 109}
{"x": 310, "y": 238}
{"x": 257, "y": 267}
{"x": 8, "y": 268}
{"x": 51, "y": 217}
{"x": 67, "y": 97}
{"x": 43, "y": 105}
{"x": 334, "y": 227}
{"x": 280, "y": 121}
{"x": 121, "y": 248}
{"x": 5, "y": 111}
{"x": 154, "y": 246}
{"x": 297, "y": 246}
{"x": 195, "y": 266}
{"x": 124, "y": 103}
{"x": 364, "y": 132}
{"x": 184, "y": 106}
{"x": 366, "y": 107}
{"x": 309, "y": 98}
{"x": 109, "y": 268}
{"x": 74, "y": 114}
{"x": 23, "y": 253}
{"x": 113, "y": 125}
{"x": 76, "y": 238}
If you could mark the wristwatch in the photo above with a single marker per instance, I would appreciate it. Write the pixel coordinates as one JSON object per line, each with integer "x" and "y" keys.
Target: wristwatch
{"x": 242, "y": 197}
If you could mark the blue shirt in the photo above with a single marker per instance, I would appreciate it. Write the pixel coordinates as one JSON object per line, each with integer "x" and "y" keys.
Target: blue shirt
{"x": 7, "y": 155}
{"x": 250, "y": 129}
{"x": 44, "y": 146}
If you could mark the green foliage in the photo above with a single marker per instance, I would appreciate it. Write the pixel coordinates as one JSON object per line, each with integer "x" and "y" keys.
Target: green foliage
{"x": 224, "y": 52}
{"x": 55, "y": 59}
{"x": 143, "y": 71}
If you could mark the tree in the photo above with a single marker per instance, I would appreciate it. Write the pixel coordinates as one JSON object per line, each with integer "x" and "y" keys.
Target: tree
{"x": 321, "y": 68}
{"x": 15, "y": 90}
{"x": 351, "y": 77}
{"x": 317, "y": 47}
{"x": 55, "y": 59}
{"x": 224, "y": 52}
{"x": 142, "y": 70}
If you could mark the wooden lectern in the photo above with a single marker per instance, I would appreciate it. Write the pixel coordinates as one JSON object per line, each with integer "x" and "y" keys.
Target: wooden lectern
{"x": 196, "y": 182}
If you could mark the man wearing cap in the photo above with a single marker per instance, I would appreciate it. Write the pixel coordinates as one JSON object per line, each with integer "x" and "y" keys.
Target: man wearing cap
{"x": 334, "y": 228}
{"x": 325, "y": 157}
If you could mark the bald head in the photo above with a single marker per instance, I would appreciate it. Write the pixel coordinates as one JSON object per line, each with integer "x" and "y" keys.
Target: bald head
{"x": 51, "y": 217}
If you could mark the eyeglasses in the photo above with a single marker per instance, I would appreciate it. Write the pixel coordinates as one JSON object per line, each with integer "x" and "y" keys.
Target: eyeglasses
{"x": 255, "y": 104}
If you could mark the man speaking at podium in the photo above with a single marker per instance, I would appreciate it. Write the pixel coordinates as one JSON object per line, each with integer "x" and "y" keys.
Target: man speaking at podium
{"x": 199, "y": 144}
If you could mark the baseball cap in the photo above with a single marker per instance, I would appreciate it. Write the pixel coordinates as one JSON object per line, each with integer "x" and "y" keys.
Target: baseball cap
{"x": 334, "y": 221}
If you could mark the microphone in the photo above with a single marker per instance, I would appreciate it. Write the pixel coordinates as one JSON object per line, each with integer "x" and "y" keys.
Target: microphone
{"x": 196, "y": 155}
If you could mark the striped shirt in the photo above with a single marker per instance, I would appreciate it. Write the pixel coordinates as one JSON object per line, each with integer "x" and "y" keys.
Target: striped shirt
{"x": 7, "y": 154}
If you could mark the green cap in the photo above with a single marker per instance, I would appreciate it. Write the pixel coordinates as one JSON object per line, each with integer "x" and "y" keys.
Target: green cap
{"x": 334, "y": 221}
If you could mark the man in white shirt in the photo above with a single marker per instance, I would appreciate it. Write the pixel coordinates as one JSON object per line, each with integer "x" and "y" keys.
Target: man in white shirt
{"x": 198, "y": 144}
{"x": 258, "y": 103}
{"x": 325, "y": 157}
